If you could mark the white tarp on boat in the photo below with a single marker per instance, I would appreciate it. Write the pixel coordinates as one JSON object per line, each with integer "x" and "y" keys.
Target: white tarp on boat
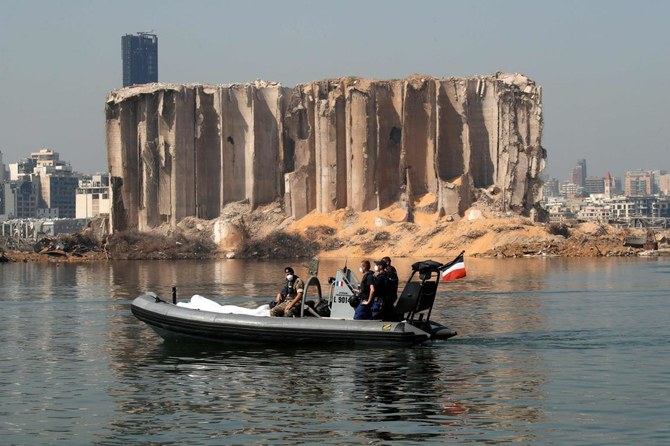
{"x": 198, "y": 302}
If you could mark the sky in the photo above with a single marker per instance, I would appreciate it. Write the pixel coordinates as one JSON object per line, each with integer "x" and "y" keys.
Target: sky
{"x": 604, "y": 66}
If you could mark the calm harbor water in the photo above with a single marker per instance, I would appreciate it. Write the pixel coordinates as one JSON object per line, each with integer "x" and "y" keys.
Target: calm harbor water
{"x": 549, "y": 351}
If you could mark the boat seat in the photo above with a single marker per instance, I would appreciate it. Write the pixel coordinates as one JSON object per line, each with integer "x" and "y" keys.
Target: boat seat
{"x": 408, "y": 298}
{"x": 427, "y": 296}
{"x": 415, "y": 297}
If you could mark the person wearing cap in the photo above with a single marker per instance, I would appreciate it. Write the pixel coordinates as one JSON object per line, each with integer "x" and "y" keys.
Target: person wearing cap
{"x": 290, "y": 294}
{"x": 379, "y": 303}
{"x": 366, "y": 292}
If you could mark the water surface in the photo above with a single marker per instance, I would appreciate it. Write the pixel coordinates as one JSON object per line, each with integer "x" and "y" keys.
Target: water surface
{"x": 549, "y": 351}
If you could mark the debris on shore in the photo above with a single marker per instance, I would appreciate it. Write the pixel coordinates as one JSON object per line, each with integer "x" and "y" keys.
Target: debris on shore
{"x": 266, "y": 232}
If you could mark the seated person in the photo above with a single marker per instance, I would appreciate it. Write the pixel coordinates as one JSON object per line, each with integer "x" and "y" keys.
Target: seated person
{"x": 289, "y": 296}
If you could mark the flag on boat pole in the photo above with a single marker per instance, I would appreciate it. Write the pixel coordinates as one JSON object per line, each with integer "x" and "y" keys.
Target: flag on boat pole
{"x": 454, "y": 269}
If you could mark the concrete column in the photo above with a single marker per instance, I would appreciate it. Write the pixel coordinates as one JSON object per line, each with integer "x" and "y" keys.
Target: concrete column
{"x": 482, "y": 118}
{"x": 330, "y": 149}
{"x": 207, "y": 152}
{"x": 299, "y": 152}
{"x": 266, "y": 144}
{"x": 147, "y": 129}
{"x": 389, "y": 121}
{"x": 361, "y": 146}
{"x": 450, "y": 137}
{"x": 115, "y": 162}
{"x": 418, "y": 135}
{"x": 166, "y": 141}
{"x": 125, "y": 185}
{"x": 237, "y": 118}
{"x": 183, "y": 152}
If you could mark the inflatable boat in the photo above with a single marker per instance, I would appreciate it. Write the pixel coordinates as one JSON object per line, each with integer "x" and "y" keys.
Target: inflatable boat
{"x": 321, "y": 320}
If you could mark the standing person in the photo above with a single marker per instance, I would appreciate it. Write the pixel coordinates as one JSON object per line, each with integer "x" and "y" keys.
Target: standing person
{"x": 290, "y": 294}
{"x": 366, "y": 293}
{"x": 379, "y": 303}
{"x": 391, "y": 289}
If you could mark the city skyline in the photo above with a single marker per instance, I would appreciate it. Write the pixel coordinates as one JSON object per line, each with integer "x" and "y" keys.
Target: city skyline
{"x": 580, "y": 170}
{"x": 603, "y": 90}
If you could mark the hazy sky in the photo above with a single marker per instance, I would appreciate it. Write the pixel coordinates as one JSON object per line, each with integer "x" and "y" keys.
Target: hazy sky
{"x": 604, "y": 65}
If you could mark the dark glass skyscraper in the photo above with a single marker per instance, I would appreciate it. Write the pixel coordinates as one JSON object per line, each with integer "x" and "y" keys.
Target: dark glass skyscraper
{"x": 140, "y": 58}
{"x": 579, "y": 173}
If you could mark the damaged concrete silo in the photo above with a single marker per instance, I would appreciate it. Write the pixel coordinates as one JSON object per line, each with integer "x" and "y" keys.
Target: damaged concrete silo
{"x": 188, "y": 150}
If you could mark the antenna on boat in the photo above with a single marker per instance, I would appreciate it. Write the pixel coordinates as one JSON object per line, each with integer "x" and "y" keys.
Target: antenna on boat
{"x": 345, "y": 264}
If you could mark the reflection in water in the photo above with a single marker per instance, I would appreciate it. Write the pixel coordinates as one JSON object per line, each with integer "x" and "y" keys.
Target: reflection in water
{"x": 291, "y": 394}
{"x": 415, "y": 394}
{"x": 399, "y": 386}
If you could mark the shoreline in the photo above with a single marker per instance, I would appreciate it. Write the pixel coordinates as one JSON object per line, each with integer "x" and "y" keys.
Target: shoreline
{"x": 266, "y": 232}
{"x": 510, "y": 252}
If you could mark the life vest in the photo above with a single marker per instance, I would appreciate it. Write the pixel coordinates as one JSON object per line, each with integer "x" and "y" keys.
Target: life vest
{"x": 289, "y": 289}
{"x": 366, "y": 281}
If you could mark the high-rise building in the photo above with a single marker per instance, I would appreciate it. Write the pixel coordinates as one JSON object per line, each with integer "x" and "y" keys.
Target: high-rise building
{"x": 664, "y": 184}
{"x": 638, "y": 183}
{"x": 140, "y": 58}
{"x": 579, "y": 173}
{"x": 656, "y": 180}
{"x": 609, "y": 186}
{"x": 20, "y": 199}
{"x": 56, "y": 185}
{"x": 594, "y": 185}
{"x": 551, "y": 188}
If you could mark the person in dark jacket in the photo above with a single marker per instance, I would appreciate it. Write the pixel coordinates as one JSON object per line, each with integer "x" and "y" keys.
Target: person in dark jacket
{"x": 391, "y": 289}
{"x": 380, "y": 304}
{"x": 366, "y": 292}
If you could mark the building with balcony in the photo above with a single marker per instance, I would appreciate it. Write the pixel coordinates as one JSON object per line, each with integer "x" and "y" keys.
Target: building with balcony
{"x": 19, "y": 199}
{"x": 638, "y": 183}
{"x": 93, "y": 196}
{"x": 571, "y": 190}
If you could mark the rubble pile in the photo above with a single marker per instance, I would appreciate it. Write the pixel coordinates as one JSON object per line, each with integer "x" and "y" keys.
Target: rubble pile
{"x": 64, "y": 245}
{"x": 72, "y": 247}
{"x": 343, "y": 234}
{"x": 135, "y": 245}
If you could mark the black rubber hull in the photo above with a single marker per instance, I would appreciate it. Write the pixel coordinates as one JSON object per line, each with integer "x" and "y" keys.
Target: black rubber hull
{"x": 175, "y": 323}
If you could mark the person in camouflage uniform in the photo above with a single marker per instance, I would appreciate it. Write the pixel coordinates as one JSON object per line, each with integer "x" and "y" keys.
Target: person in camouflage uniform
{"x": 289, "y": 296}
